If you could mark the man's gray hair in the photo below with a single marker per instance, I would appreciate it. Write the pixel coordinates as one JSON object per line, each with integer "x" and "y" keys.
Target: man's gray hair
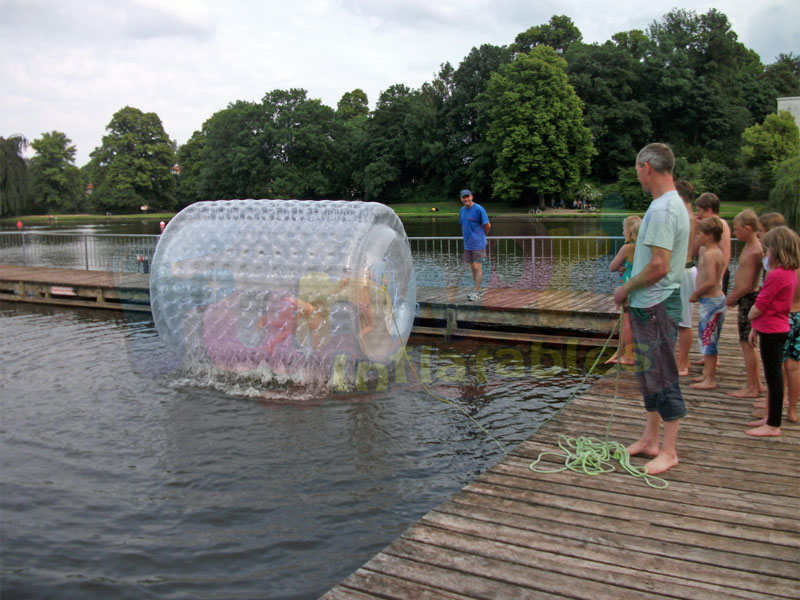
{"x": 658, "y": 155}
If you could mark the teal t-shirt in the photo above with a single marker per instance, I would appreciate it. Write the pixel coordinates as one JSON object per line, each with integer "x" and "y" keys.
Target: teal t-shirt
{"x": 665, "y": 225}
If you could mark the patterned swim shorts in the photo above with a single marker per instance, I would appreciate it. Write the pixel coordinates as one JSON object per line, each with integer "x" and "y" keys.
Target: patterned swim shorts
{"x": 712, "y": 315}
{"x": 745, "y": 303}
{"x": 791, "y": 348}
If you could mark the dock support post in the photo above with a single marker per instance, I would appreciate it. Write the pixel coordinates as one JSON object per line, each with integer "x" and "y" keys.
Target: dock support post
{"x": 452, "y": 324}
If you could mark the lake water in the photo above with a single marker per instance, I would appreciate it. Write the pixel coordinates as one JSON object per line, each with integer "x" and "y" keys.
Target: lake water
{"x": 121, "y": 479}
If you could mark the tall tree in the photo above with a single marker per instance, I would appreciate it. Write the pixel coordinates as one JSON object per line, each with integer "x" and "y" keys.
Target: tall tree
{"x": 470, "y": 158}
{"x": 606, "y": 78}
{"x": 536, "y": 124}
{"x": 133, "y": 165}
{"x": 13, "y": 175}
{"x": 353, "y": 104}
{"x": 559, "y": 33}
{"x": 785, "y": 193}
{"x": 190, "y": 164}
{"x": 56, "y": 184}
{"x": 768, "y": 144}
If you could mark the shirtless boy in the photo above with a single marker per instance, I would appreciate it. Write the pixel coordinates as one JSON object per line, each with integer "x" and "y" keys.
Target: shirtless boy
{"x": 712, "y": 301}
{"x": 745, "y": 290}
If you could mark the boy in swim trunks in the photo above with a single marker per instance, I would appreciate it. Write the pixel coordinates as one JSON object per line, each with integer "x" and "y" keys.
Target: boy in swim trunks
{"x": 712, "y": 301}
{"x": 745, "y": 290}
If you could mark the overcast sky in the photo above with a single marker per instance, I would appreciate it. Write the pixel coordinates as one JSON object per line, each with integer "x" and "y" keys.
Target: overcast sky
{"x": 69, "y": 65}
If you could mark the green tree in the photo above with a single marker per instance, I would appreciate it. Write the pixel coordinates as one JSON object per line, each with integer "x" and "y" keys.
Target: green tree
{"x": 536, "y": 124}
{"x": 469, "y": 158}
{"x": 353, "y": 104}
{"x": 56, "y": 184}
{"x": 767, "y": 145}
{"x": 785, "y": 195}
{"x": 13, "y": 175}
{"x": 784, "y": 75}
{"x": 133, "y": 165}
{"x": 606, "y": 78}
{"x": 190, "y": 162}
{"x": 559, "y": 33}
{"x": 236, "y": 154}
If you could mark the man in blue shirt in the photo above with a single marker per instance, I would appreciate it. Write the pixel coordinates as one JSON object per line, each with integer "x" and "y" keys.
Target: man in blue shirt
{"x": 654, "y": 300}
{"x": 475, "y": 227}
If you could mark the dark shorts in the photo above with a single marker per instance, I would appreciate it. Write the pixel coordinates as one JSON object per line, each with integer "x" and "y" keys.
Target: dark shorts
{"x": 655, "y": 331}
{"x": 726, "y": 278}
{"x": 473, "y": 256}
{"x": 745, "y": 303}
{"x": 791, "y": 347}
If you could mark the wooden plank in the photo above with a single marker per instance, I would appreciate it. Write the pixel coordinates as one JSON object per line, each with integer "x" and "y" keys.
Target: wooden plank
{"x": 726, "y": 527}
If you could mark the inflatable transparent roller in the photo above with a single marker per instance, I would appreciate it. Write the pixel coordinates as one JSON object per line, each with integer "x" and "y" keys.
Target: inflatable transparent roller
{"x": 283, "y": 286}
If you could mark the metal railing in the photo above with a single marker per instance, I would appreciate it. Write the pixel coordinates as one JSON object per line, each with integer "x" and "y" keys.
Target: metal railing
{"x": 524, "y": 262}
{"x": 93, "y": 252}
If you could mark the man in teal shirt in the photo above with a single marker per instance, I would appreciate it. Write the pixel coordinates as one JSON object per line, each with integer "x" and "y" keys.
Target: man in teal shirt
{"x": 653, "y": 296}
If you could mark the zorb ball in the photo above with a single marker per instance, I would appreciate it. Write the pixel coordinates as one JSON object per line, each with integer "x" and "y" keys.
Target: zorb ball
{"x": 281, "y": 288}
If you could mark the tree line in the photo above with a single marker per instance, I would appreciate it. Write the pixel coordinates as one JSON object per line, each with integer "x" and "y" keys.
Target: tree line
{"x": 543, "y": 118}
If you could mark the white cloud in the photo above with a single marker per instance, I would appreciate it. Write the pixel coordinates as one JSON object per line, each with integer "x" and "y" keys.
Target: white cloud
{"x": 69, "y": 65}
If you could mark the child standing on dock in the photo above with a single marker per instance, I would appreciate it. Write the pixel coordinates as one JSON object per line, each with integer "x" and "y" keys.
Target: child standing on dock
{"x": 743, "y": 295}
{"x": 712, "y": 301}
{"x": 623, "y": 263}
{"x": 770, "y": 320}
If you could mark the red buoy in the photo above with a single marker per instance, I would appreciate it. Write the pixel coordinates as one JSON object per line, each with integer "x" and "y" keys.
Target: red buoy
{"x": 19, "y": 224}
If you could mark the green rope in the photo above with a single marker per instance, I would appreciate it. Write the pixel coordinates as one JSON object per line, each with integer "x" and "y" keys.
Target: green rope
{"x": 591, "y": 456}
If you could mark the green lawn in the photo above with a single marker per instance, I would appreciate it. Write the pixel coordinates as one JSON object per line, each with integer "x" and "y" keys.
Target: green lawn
{"x": 728, "y": 210}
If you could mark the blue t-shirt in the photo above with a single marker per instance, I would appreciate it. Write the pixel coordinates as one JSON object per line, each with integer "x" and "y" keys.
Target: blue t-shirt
{"x": 665, "y": 225}
{"x": 472, "y": 220}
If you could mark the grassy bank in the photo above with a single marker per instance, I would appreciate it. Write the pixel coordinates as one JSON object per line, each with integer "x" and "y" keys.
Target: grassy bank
{"x": 407, "y": 210}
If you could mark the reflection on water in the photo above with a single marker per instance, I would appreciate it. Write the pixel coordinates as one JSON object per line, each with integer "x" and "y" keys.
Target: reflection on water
{"x": 117, "y": 480}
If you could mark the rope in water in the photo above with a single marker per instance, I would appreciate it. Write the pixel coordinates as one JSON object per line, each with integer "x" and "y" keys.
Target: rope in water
{"x": 425, "y": 387}
{"x": 589, "y": 455}
{"x": 585, "y": 454}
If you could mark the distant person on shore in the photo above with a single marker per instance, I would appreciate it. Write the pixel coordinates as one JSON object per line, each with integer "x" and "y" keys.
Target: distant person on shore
{"x": 653, "y": 297}
{"x": 475, "y": 226}
{"x": 743, "y": 295}
{"x": 623, "y": 263}
{"x": 770, "y": 320}
{"x": 685, "y": 335}
{"x": 708, "y": 292}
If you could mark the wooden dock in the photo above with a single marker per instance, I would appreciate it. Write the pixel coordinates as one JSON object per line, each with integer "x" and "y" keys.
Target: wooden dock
{"x": 501, "y": 314}
{"x": 726, "y": 527}
{"x": 73, "y": 287}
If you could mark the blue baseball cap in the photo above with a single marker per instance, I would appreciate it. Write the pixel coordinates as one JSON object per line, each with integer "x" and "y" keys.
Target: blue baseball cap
{"x": 465, "y": 193}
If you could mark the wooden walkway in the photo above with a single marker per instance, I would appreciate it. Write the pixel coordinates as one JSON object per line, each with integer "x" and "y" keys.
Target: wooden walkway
{"x": 73, "y": 287}
{"x": 726, "y": 527}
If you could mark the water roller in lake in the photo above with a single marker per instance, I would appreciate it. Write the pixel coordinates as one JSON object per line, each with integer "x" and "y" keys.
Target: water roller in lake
{"x": 283, "y": 287}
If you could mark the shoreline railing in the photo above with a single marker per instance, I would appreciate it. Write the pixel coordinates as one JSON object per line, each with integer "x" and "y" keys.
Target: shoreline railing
{"x": 577, "y": 263}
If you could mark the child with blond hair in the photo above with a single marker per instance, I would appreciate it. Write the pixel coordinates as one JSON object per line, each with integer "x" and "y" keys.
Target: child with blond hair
{"x": 769, "y": 318}
{"x": 708, "y": 293}
{"x": 743, "y": 295}
{"x": 623, "y": 263}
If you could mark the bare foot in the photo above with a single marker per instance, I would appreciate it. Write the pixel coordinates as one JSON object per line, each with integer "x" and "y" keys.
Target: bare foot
{"x": 764, "y": 431}
{"x": 661, "y": 463}
{"x": 627, "y": 361}
{"x": 759, "y": 413}
{"x": 757, "y": 423}
{"x": 704, "y": 385}
{"x": 643, "y": 448}
{"x": 612, "y": 360}
{"x": 792, "y": 417}
{"x": 744, "y": 393}
{"x": 683, "y": 372}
